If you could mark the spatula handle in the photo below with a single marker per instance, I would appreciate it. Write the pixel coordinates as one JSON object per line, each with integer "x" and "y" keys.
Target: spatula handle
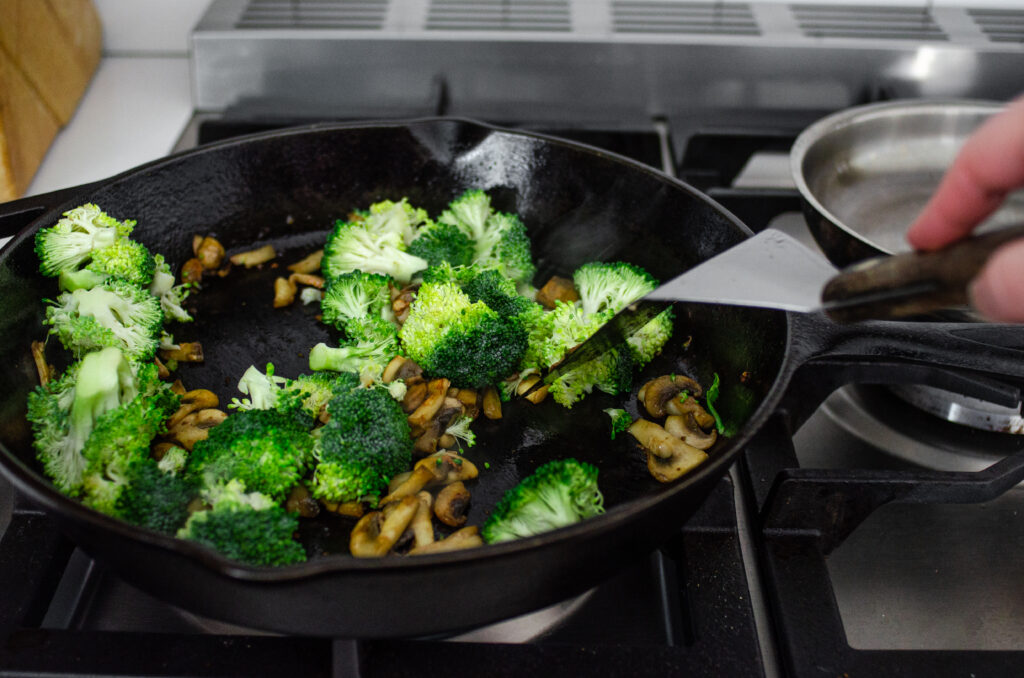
{"x": 913, "y": 283}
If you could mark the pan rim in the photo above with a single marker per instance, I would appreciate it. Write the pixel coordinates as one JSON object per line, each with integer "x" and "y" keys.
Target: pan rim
{"x": 66, "y": 509}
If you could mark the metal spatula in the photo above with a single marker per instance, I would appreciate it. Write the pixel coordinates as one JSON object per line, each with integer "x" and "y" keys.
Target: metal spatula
{"x": 773, "y": 270}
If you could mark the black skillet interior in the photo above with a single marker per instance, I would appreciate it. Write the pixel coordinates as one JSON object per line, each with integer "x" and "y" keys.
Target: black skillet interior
{"x": 287, "y": 188}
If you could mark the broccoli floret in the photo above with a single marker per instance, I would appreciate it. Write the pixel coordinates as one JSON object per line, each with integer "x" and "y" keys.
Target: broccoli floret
{"x": 352, "y": 246}
{"x": 120, "y": 438}
{"x": 366, "y": 442}
{"x": 621, "y": 420}
{"x": 154, "y": 497}
{"x": 115, "y": 313}
{"x": 83, "y": 279}
{"x": 499, "y": 293}
{"x": 309, "y": 393}
{"x": 648, "y": 341}
{"x": 555, "y": 332}
{"x": 466, "y": 342}
{"x": 499, "y": 240}
{"x": 125, "y": 259}
{"x": 247, "y": 527}
{"x": 557, "y": 494}
{"x": 71, "y": 242}
{"x": 367, "y": 357}
{"x": 262, "y": 389}
{"x": 268, "y": 450}
{"x": 64, "y": 413}
{"x": 171, "y": 296}
{"x": 355, "y": 295}
{"x": 611, "y": 372}
{"x": 396, "y": 221}
{"x": 611, "y": 286}
{"x": 443, "y": 244}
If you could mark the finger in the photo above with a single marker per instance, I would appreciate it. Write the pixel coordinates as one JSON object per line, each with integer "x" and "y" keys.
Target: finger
{"x": 989, "y": 165}
{"x": 998, "y": 290}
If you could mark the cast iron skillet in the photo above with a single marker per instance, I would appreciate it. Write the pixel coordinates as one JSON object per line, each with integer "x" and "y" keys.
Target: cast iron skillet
{"x": 580, "y": 204}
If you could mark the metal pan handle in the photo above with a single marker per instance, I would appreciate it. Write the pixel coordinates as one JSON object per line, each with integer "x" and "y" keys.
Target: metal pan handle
{"x": 16, "y": 215}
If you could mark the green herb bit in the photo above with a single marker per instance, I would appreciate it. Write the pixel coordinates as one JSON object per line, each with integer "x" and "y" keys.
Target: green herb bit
{"x": 712, "y": 396}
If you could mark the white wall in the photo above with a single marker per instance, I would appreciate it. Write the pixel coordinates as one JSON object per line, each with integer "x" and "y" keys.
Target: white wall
{"x": 148, "y": 27}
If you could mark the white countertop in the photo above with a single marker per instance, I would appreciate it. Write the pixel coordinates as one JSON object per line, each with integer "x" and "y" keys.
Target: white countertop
{"x": 133, "y": 111}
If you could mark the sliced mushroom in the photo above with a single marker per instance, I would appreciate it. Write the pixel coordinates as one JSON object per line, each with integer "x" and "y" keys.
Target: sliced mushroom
{"x": 690, "y": 407}
{"x": 492, "y": 403}
{"x": 301, "y": 502}
{"x": 685, "y": 427}
{"x": 284, "y": 292}
{"x": 452, "y": 504}
{"x": 668, "y": 457}
{"x": 427, "y": 441}
{"x": 437, "y": 391}
{"x": 178, "y": 388}
{"x": 187, "y": 352}
{"x": 657, "y": 393}
{"x": 197, "y": 240}
{"x": 439, "y": 468}
{"x": 374, "y": 535}
{"x": 307, "y": 279}
{"x": 210, "y": 253}
{"x": 557, "y": 289}
{"x": 539, "y": 395}
{"x": 192, "y": 271}
{"x": 308, "y": 264}
{"x": 43, "y": 369}
{"x": 160, "y": 449}
{"x": 398, "y": 480}
{"x": 195, "y": 427}
{"x": 390, "y": 372}
{"x": 352, "y": 509}
{"x": 466, "y": 538}
{"x": 415, "y": 394}
{"x": 250, "y": 258}
{"x": 422, "y": 527}
{"x": 193, "y": 401}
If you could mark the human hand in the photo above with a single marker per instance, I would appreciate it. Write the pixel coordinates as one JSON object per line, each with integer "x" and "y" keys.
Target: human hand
{"x": 989, "y": 166}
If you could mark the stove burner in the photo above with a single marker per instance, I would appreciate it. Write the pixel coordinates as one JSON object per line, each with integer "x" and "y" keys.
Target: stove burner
{"x": 877, "y": 416}
{"x": 961, "y": 409}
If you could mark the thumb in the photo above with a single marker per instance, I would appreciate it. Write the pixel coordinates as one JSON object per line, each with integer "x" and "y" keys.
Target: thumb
{"x": 998, "y": 290}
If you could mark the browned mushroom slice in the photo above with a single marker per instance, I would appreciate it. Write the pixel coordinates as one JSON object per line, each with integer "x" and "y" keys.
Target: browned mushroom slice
{"x": 192, "y": 401}
{"x": 689, "y": 407}
{"x": 308, "y": 264}
{"x": 195, "y": 427}
{"x": 301, "y": 502}
{"x": 657, "y": 393}
{"x": 284, "y": 292}
{"x": 187, "y": 352}
{"x": 465, "y": 538}
{"x": 390, "y": 372}
{"x": 374, "y": 535}
{"x": 439, "y": 468}
{"x": 685, "y": 427}
{"x": 351, "y": 509}
{"x": 557, "y": 289}
{"x": 43, "y": 368}
{"x": 250, "y": 258}
{"x": 422, "y": 527}
{"x": 668, "y": 457}
{"x": 437, "y": 391}
{"x": 427, "y": 441}
{"x": 210, "y": 253}
{"x": 415, "y": 394}
{"x": 492, "y": 403}
{"x": 192, "y": 271}
{"x": 307, "y": 279}
{"x": 452, "y": 504}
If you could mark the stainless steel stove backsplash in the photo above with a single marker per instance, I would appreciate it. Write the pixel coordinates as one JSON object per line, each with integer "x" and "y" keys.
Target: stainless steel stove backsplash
{"x": 607, "y": 61}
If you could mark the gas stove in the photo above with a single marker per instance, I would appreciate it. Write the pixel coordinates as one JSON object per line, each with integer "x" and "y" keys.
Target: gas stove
{"x": 868, "y": 542}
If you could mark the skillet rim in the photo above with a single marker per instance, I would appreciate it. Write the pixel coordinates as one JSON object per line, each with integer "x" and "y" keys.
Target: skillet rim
{"x": 66, "y": 508}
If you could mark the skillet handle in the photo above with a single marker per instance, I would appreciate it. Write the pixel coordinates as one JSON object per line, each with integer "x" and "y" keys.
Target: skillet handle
{"x": 913, "y": 283}
{"x": 16, "y": 215}
{"x": 980, "y": 360}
